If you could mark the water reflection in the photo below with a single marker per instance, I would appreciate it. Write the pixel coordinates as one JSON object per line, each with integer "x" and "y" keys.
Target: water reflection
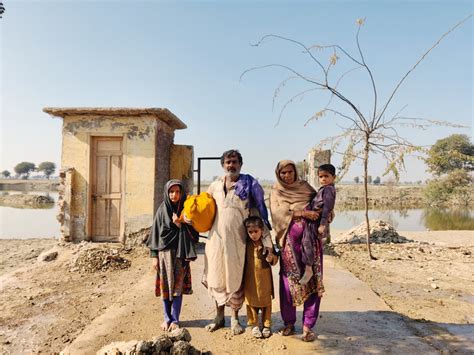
{"x": 445, "y": 219}
{"x": 28, "y": 222}
{"x": 411, "y": 219}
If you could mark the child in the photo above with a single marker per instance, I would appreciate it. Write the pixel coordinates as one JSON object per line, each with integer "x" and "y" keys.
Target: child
{"x": 258, "y": 281}
{"x": 171, "y": 244}
{"x": 324, "y": 202}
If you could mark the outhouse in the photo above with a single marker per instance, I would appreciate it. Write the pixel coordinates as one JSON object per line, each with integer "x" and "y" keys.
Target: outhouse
{"x": 114, "y": 164}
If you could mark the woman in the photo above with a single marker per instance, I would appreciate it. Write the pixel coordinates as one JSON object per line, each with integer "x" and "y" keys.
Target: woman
{"x": 291, "y": 221}
{"x": 171, "y": 244}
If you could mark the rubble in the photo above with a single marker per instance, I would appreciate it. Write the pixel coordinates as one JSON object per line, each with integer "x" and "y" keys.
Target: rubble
{"x": 91, "y": 258}
{"x": 380, "y": 232}
{"x": 177, "y": 342}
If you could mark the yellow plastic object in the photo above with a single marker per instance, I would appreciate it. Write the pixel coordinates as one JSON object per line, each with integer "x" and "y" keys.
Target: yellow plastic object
{"x": 201, "y": 209}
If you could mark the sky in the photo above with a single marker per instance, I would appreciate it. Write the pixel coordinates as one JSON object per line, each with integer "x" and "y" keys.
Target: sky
{"x": 188, "y": 56}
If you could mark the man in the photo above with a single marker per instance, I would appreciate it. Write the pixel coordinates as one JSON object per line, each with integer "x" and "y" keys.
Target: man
{"x": 237, "y": 196}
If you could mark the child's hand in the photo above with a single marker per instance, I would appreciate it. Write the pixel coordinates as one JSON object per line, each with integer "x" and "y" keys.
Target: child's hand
{"x": 321, "y": 229}
{"x": 269, "y": 257}
{"x": 176, "y": 220}
{"x": 186, "y": 219}
{"x": 154, "y": 263}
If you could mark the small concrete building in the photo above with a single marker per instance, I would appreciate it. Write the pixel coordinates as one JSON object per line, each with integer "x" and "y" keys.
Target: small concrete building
{"x": 114, "y": 164}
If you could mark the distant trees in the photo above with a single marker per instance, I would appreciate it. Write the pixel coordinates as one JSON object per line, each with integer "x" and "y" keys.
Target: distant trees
{"x": 47, "y": 168}
{"x": 451, "y": 160}
{"x": 6, "y": 174}
{"x": 451, "y": 153}
{"x": 24, "y": 169}
{"x": 377, "y": 180}
{"x": 356, "y": 179}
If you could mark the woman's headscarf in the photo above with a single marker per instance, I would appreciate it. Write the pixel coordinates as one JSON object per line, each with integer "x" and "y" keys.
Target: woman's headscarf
{"x": 165, "y": 234}
{"x": 286, "y": 198}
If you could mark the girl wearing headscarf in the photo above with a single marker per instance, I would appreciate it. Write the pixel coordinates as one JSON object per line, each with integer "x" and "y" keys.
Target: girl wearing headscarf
{"x": 291, "y": 218}
{"x": 172, "y": 247}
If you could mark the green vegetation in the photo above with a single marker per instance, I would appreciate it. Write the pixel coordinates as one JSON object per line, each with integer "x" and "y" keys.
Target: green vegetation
{"x": 6, "y": 174}
{"x": 47, "y": 168}
{"x": 451, "y": 160}
{"x": 24, "y": 169}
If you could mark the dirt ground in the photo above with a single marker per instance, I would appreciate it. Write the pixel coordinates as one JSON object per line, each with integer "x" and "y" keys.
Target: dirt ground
{"x": 426, "y": 300}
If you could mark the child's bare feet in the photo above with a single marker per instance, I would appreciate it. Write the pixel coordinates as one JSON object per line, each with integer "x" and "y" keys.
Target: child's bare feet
{"x": 164, "y": 326}
{"x": 217, "y": 323}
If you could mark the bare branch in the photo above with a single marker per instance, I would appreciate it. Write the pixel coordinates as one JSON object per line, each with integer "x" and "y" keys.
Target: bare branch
{"x": 302, "y": 93}
{"x": 292, "y": 41}
{"x": 419, "y": 61}
{"x": 279, "y": 87}
{"x": 284, "y": 67}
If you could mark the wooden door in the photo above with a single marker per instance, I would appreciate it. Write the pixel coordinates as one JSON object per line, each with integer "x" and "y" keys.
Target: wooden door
{"x": 106, "y": 188}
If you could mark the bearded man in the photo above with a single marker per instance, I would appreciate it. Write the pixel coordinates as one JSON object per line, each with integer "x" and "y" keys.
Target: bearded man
{"x": 237, "y": 197}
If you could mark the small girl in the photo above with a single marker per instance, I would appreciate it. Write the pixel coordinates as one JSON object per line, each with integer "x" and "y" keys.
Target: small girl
{"x": 172, "y": 246}
{"x": 258, "y": 281}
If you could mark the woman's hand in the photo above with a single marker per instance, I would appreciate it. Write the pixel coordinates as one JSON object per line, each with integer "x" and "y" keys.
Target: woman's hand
{"x": 154, "y": 263}
{"x": 176, "y": 220}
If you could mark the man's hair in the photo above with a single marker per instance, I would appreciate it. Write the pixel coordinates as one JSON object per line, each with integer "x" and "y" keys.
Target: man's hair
{"x": 329, "y": 168}
{"x": 231, "y": 153}
{"x": 253, "y": 221}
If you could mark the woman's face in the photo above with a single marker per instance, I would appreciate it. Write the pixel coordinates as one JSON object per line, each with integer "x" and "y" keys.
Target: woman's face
{"x": 175, "y": 193}
{"x": 288, "y": 174}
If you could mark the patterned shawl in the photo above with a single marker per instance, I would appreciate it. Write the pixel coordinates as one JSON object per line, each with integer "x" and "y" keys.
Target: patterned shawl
{"x": 286, "y": 198}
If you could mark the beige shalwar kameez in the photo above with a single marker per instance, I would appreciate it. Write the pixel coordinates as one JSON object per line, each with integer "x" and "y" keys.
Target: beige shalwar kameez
{"x": 225, "y": 247}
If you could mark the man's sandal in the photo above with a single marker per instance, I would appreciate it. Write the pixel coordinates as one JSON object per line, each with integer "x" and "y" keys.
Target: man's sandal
{"x": 308, "y": 336}
{"x": 287, "y": 330}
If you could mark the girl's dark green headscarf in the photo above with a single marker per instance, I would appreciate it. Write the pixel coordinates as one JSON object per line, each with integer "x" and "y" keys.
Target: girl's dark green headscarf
{"x": 165, "y": 235}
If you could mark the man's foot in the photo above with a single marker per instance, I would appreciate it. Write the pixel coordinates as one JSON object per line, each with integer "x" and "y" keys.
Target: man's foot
{"x": 173, "y": 326}
{"x": 236, "y": 327}
{"x": 164, "y": 326}
{"x": 217, "y": 323}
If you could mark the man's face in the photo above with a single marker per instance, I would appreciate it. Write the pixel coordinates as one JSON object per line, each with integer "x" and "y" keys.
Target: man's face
{"x": 232, "y": 166}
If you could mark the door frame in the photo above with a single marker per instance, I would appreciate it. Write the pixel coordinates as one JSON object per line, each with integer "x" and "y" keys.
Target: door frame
{"x": 91, "y": 140}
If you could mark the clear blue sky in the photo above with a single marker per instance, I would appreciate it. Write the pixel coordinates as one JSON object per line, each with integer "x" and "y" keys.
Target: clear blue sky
{"x": 188, "y": 56}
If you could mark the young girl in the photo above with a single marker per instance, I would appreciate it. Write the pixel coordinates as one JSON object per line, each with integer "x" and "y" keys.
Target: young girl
{"x": 258, "y": 281}
{"x": 171, "y": 244}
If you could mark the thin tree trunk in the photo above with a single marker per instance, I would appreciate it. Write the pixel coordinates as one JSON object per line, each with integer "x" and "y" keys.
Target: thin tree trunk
{"x": 366, "y": 194}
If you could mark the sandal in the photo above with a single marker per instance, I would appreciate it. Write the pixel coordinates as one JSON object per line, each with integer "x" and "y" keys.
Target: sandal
{"x": 308, "y": 336}
{"x": 266, "y": 332}
{"x": 256, "y": 332}
{"x": 287, "y": 330}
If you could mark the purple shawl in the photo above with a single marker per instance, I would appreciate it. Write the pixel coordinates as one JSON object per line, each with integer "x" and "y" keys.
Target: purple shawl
{"x": 248, "y": 187}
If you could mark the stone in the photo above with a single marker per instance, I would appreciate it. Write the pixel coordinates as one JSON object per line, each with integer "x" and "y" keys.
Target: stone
{"x": 162, "y": 343}
{"x": 48, "y": 255}
{"x": 181, "y": 347}
{"x": 180, "y": 334}
{"x": 434, "y": 286}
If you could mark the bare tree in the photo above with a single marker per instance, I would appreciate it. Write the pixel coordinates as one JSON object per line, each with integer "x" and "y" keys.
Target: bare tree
{"x": 369, "y": 133}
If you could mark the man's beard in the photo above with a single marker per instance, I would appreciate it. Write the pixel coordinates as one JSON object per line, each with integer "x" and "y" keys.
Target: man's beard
{"x": 232, "y": 174}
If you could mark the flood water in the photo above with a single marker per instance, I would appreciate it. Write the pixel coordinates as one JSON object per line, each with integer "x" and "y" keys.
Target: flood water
{"x": 22, "y": 223}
